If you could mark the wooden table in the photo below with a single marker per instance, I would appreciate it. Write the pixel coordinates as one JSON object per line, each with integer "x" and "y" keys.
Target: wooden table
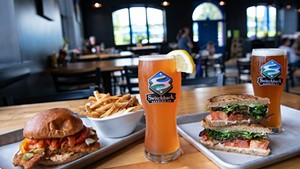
{"x": 106, "y": 67}
{"x": 105, "y": 56}
{"x": 192, "y": 101}
{"x": 144, "y": 50}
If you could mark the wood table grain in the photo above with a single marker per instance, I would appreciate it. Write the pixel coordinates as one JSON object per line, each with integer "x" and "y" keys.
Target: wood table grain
{"x": 106, "y": 56}
{"x": 132, "y": 157}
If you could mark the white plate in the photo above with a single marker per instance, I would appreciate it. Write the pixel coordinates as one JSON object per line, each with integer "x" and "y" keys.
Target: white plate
{"x": 283, "y": 146}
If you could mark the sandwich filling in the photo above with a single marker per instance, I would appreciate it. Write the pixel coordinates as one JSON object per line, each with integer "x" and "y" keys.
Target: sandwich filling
{"x": 237, "y": 138}
{"x": 232, "y": 112}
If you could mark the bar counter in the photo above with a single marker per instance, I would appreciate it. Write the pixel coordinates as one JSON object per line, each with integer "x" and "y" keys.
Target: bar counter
{"x": 192, "y": 101}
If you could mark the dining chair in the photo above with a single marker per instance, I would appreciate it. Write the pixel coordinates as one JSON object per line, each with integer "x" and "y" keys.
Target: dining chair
{"x": 60, "y": 96}
{"x": 216, "y": 63}
{"x": 131, "y": 76}
{"x": 118, "y": 81}
{"x": 68, "y": 81}
{"x": 244, "y": 72}
{"x": 203, "y": 82}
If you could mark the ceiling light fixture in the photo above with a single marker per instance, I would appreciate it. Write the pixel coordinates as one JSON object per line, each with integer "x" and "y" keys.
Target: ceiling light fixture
{"x": 222, "y": 3}
{"x": 298, "y": 10}
{"x": 165, "y": 3}
{"x": 97, "y": 5}
{"x": 288, "y": 6}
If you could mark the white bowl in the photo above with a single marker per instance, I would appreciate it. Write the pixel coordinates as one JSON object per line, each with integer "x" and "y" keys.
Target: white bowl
{"x": 119, "y": 125}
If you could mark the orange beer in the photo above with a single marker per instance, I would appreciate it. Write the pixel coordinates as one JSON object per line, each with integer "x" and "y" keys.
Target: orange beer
{"x": 160, "y": 86}
{"x": 268, "y": 74}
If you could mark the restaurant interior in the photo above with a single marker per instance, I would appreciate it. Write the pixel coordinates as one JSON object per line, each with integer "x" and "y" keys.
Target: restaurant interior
{"x": 68, "y": 53}
{"x": 40, "y": 38}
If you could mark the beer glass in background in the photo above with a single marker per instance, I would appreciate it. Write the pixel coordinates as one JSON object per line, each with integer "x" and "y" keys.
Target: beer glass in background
{"x": 268, "y": 75}
{"x": 160, "y": 86}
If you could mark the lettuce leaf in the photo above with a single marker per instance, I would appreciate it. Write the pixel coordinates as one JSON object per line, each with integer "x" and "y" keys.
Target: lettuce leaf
{"x": 256, "y": 112}
{"x": 222, "y": 135}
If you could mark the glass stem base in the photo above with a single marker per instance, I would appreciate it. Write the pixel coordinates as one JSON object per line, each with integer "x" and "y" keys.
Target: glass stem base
{"x": 163, "y": 158}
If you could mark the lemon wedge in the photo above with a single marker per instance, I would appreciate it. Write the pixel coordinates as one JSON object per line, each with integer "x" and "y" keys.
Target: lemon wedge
{"x": 184, "y": 61}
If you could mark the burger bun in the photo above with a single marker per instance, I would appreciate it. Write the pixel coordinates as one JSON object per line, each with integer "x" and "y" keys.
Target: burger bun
{"x": 53, "y": 123}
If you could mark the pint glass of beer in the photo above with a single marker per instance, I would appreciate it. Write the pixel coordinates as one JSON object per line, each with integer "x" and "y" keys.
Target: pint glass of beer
{"x": 160, "y": 85}
{"x": 268, "y": 75}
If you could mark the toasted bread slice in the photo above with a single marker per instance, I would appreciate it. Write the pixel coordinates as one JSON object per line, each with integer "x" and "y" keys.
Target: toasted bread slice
{"x": 215, "y": 145}
{"x": 253, "y": 128}
{"x": 235, "y": 98}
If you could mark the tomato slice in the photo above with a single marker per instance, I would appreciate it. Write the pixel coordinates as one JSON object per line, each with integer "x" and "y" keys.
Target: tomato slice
{"x": 259, "y": 144}
{"x": 48, "y": 141}
{"x": 54, "y": 143}
{"x": 36, "y": 144}
{"x": 229, "y": 143}
{"x": 40, "y": 143}
{"x": 31, "y": 144}
{"x": 218, "y": 115}
{"x": 237, "y": 116}
{"x": 71, "y": 141}
{"x": 31, "y": 141}
{"x": 85, "y": 133}
{"x": 242, "y": 143}
{"x": 238, "y": 143}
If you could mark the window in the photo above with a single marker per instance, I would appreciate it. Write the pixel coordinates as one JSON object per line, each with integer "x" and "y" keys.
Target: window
{"x": 121, "y": 27}
{"x": 156, "y": 25}
{"x": 195, "y": 32}
{"x": 138, "y": 25}
{"x": 261, "y": 21}
{"x": 208, "y": 12}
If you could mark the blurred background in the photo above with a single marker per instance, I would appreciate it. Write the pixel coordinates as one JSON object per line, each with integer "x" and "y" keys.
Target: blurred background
{"x": 33, "y": 32}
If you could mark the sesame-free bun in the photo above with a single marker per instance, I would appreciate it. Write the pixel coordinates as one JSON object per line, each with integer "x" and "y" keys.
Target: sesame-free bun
{"x": 52, "y": 123}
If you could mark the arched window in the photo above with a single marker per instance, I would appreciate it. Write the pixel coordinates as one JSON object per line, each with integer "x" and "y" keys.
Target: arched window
{"x": 138, "y": 25}
{"x": 261, "y": 21}
{"x": 208, "y": 12}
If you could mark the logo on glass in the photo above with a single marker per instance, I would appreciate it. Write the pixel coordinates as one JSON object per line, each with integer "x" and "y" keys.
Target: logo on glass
{"x": 161, "y": 85}
{"x": 270, "y": 72}
{"x": 271, "y": 69}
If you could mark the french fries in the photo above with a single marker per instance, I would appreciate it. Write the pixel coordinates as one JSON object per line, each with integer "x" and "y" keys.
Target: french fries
{"x": 102, "y": 105}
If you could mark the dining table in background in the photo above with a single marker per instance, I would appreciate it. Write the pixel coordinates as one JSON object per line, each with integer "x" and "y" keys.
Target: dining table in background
{"x": 106, "y": 67}
{"x": 191, "y": 101}
{"x": 144, "y": 50}
{"x": 106, "y": 56}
